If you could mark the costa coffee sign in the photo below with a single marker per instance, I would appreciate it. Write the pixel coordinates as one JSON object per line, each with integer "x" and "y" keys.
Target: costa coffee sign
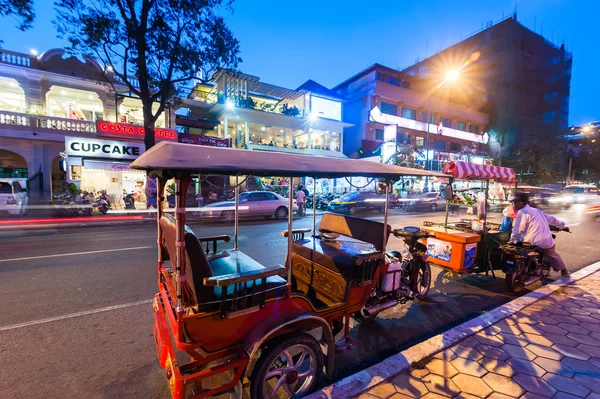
{"x": 204, "y": 140}
{"x": 134, "y": 132}
{"x": 95, "y": 148}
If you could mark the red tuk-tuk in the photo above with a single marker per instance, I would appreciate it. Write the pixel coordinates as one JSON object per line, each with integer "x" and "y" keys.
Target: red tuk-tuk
{"x": 221, "y": 313}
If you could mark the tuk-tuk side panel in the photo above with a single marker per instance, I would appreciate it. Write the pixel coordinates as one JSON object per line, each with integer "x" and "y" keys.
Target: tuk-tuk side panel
{"x": 329, "y": 287}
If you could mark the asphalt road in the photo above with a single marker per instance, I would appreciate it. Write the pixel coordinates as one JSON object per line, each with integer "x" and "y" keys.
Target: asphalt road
{"x": 95, "y": 285}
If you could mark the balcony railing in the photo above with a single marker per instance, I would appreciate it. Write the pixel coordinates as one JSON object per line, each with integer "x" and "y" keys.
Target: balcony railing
{"x": 52, "y": 124}
{"x": 14, "y": 58}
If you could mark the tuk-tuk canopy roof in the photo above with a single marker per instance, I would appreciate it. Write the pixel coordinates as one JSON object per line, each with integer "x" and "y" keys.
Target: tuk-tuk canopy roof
{"x": 228, "y": 161}
{"x": 473, "y": 171}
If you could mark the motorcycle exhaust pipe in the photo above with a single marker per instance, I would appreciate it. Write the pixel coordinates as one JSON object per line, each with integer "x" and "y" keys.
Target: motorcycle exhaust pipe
{"x": 378, "y": 308}
{"x": 531, "y": 280}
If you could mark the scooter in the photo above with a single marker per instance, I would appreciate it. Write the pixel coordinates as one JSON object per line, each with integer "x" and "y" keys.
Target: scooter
{"x": 102, "y": 205}
{"x": 407, "y": 275}
{"x": 524, "y": 264}
{"x": 129, "y": 201}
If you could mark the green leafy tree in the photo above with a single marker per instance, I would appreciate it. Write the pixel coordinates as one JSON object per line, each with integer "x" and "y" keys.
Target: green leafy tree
{"x": 538, "y": 162}
{"x": 585, "y": 166}
{"x": 22, "y": 10}
{"x": 154, "y": 47}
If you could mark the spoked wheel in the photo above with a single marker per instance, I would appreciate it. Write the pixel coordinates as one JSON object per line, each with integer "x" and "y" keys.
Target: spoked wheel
{"x": 292, "y": 367}
{"x": 228, "y": 216}
{"x": 423, "y": 280}
{"x": 514, "y": 281}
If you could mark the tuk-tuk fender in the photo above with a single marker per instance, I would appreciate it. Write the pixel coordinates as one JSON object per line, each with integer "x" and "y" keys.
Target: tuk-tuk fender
{"x": 263, "y": 333}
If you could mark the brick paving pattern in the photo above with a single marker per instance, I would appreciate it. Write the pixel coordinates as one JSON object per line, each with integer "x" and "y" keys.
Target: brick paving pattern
{"x": 550, "y": 349}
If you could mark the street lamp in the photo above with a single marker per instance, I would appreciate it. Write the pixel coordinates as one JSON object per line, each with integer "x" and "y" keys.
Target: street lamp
{"x": 452, "y": 75}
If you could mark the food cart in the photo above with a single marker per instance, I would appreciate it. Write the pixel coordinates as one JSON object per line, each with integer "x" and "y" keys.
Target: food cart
{"x": 468, "y": 245}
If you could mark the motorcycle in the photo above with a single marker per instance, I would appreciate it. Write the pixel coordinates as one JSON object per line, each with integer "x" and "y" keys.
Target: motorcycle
{"x": 103, "y": 205}
{"x": 129, "y": 201}
{"x": 81, "y": 206}
{"x": 524, "y": 264}
{"x": 407, "y": 276}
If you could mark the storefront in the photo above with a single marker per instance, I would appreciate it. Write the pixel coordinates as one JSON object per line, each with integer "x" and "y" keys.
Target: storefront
{"x": 95, "y": 165}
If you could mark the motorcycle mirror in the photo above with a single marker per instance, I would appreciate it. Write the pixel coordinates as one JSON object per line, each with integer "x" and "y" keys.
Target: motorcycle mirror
{"x": 447, "y": 193}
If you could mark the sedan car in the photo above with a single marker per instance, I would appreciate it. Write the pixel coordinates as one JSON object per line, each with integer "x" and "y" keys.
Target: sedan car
{"x": 13, "y": 197}
{"x": 357, "y": 201}
{"x": 427, "y": 202}
{"x": 250, "y": 204}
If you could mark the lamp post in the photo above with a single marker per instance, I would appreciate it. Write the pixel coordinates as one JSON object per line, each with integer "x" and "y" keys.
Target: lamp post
{"x": 587, "y": 130}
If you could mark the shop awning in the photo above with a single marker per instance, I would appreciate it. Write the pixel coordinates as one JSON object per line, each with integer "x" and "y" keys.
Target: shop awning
{"x": 472, "y": 171}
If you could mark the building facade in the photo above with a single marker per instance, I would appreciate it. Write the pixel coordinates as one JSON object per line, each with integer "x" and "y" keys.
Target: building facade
{"x": 66, "y": 120}
{"x": 383, "y": 104}
{"x": 525, "y": 78}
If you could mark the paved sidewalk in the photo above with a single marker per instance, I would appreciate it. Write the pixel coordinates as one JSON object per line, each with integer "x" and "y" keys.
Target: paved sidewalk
{"x": 550, "y": 349}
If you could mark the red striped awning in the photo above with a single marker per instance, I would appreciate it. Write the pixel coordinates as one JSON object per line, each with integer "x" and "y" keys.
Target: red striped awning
{"x": 473, "y": 171}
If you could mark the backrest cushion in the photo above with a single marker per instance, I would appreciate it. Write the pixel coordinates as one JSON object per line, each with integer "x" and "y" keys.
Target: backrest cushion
{"x": 357, "y": 228}
{"x": 196, "y": 264}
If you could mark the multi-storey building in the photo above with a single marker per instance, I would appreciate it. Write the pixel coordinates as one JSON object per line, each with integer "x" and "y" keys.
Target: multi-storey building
{"x": 380, "y": 97}
{"x": 69, "y": 120}
{"x": 526, "y": 79}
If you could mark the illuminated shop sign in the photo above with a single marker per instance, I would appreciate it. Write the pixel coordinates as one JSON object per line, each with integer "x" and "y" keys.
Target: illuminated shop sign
{"x": 134, "y": 132}
{"x": 326, "y": 108}
{"x": 94, "y": 148}
{"x": 387, "y": 119}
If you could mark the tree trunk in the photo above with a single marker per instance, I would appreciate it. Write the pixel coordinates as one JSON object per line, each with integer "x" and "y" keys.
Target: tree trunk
{"x": 149, "y": 139}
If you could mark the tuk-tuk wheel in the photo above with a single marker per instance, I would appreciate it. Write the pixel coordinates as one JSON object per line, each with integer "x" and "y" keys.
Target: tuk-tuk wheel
{"x": 514, "y": 281}
{"x": 289, "y": 366}
{"x": 423, "y": 280}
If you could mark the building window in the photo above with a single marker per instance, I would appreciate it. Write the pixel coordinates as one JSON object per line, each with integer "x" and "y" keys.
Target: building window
{"x": 379, "y": 134}
{"x": 82, "y": 105}
{"x": 12, "y": 96}
{"x": 447, "y": 122}
{"x": 461, "y": 126}
{"x": 420, "y": 141}
{"x": 424, "y": 118}
{"x": 388, "y": 108}
{"x": 455, "y": 147}
{"x": 409, "y": 113}
{"x": 439, "y": 145}
{"x": 474, "y": 129}
{"x": 403, "y": 138}
{"x": 130, "y": 111}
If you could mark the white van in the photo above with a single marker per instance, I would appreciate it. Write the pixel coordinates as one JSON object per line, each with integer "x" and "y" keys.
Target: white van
{"x": 581, "y": 193}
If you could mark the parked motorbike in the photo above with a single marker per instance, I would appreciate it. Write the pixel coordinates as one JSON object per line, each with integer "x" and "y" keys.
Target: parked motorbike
{"x": 81, "y": 206}
{"x": 129, "y": 201}
{"x": 62, "y": 202}
{"x": 407, "y": 276}
{"x": 103, "y": 205}
{"x": 524, "y": 264}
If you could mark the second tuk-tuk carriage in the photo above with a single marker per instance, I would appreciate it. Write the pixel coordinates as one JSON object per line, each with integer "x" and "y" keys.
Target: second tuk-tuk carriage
{"x": 220, "y": 312}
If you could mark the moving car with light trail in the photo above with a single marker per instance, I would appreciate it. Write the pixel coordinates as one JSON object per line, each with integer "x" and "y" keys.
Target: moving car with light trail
{"x": 357, "y": 201}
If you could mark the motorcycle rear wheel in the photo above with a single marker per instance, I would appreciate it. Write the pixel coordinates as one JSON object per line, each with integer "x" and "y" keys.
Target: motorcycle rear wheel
{"x": 514, "y": 281}
{"x": 423, "y": 280}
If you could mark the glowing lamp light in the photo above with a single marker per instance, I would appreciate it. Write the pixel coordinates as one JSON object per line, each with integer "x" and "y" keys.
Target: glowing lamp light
{"x": 312, "y": 117}
{"x": 586, "y": 129}
{"x": 229, "y": 105}
{"x": 452, "y": 76}
{"x": 33, "y": 51}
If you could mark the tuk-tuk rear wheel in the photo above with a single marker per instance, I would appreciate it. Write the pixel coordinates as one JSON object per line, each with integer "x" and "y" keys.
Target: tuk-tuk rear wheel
{"x": 423, "y": 280}
{"x": 290, "y": 366}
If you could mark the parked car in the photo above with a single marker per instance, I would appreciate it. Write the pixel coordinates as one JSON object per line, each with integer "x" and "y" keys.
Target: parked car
{"x": 13, "y": 197}
{"x": 251, "y": 204}
{"x": 427, "y": 202}
{"x": 357, "y": 201}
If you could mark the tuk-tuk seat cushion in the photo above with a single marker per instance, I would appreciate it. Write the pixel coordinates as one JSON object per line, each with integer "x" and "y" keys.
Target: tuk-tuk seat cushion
{"x": 339, "y": 256}
{"x": 231, "y": 261}
{"x": 198, "y": 266}
{"x": 357, "y": 228}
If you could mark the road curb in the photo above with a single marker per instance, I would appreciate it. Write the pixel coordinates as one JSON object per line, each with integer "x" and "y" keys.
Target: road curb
{"x": 359, "y": 382}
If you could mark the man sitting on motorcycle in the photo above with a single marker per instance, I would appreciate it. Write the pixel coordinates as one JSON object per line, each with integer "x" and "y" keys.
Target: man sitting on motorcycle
{"x": 532, "y": 226}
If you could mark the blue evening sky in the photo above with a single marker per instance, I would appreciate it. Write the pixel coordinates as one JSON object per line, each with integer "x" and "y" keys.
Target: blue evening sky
{"x": 288, "y": 42}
